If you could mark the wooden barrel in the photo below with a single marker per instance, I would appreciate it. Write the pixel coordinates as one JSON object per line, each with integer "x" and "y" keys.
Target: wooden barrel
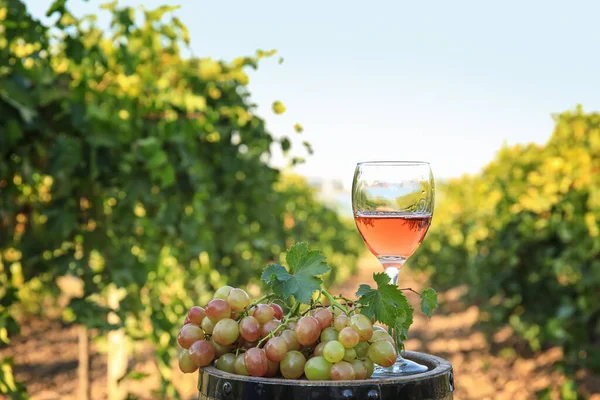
{"x": 435, "y": 384}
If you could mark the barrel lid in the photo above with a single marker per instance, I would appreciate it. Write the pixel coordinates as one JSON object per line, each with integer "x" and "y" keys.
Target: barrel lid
{"x": 436, "y": 383}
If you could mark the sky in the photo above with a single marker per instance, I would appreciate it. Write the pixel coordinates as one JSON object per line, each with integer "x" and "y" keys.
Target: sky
{"x": 448, "y": 82}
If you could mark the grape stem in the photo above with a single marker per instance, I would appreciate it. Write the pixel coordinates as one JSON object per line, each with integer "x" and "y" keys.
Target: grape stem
{"x": 411, "y": 290}
{"x": 288, "y": 318}
{"x": 334, "y": 302}
{"x": 254, "y": 304}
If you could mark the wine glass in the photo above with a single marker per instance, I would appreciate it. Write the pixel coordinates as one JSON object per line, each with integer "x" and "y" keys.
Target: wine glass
{"x": 392, "y": 202}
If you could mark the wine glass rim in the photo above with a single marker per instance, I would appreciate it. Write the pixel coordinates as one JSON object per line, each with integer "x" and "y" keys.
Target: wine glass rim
{"x": 391, "y": 163}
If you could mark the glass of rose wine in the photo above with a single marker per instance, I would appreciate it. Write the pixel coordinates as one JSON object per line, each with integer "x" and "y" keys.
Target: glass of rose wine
{"x": 393, "y": 202}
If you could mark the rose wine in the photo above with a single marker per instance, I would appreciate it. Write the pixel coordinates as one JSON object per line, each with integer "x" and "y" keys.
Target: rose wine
{"x": 396, "y": 234}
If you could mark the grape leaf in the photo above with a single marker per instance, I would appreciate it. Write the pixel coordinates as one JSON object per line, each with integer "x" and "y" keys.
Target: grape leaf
{"x": 302, "y": 280}
{"x": 428, "y": 301}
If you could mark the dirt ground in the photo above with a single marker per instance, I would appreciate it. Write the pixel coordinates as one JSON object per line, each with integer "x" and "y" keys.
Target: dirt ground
{"x": 46, "y": 355}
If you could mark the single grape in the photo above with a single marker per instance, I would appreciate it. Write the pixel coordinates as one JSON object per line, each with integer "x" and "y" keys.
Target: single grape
{"x": 370, "y": 367}
{"x": 378, "y": 328}
{"x": 291, "y": 341}
{"x": 244, "y": 344}
{"x": 317, "y": 369}
{"x": 186, "y": 365}
{"x": 329, "y": 334}
{"x": 256, "y": 362}
{"x": 226, "y": 331}
{"x": 218, "y": 309}
{"x": 292, "y": 366}
{"x": 219, "y": 348}
{"x": 189, "y": 334}
{"x": 362, "y": 348}
{"x": 264, "y": 313}
{"x": 360, "y": 370}
{"x": 342, "y": 371}
{"x": 187, "y": 321}
{"x": 249, "y": 329}
{"x": 226, "y": 362}
{"x": 307, "y": 330}
{"x": 272, "y": 368}
{"x": 349, "y": 355}
{"x": 276, "y": 349}
{"x": 277, "y": 311}
{"x": 196, "y": 315}
{"x": 382, "y": 353}
{"x": 202, "y": 353}
{"x": 324, "y": 316}
{"x": 362, "y": 325}
{"x": 292, "y": 325}
{"x": 340, "y": 322}
{"x": 208, "y": 325}
{"x": 239, "y": 367}
{"x": 381, "y": 335}
{"x": 222, "y": 292}
{"x": 333, "y": 351}
{"x": 348, "y": 337}
{"x": 318, "y": 351}
{"x": 335, "y": 311}
{"x": 269, "y": 327}
{"x": 238, "y": 299}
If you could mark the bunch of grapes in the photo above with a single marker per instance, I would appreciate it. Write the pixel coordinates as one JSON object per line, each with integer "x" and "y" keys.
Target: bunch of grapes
{"x": 322, "y": 343}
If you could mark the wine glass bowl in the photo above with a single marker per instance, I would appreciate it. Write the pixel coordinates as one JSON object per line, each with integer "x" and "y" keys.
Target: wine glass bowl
{"x": 392, "y": 203}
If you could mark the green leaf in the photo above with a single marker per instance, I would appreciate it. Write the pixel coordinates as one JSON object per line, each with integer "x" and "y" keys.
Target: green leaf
{"x": 56, "y": 6}
{"x": 385, "y": 303}
{"x": 302, "y": 280}
{"x": 285, "y": 144}
{"x": 428, "y": 301}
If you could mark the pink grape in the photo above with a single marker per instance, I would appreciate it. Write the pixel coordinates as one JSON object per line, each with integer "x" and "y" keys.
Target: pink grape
{"x": 362, "y": 325}
{"x": 222, "y": 292}
{"x": 272, "y": 368}
{"x": 340, "y": 322}
{"x": 319, "y": 349}
{"x": 382, "y": 353}
{"x": 276, "y": 349}
{"x": 291, "y": 340}
{"x": 348, "y": 337}
{"x": 324, "y": 316}
{"x": 292, "y": 325}
{"x": 277, "y": 311}
{"x": 307, "y": 330}
{"x": 187, "y": 321}
{"x": 256, "y": 362}
{"x": 250, "y": 328}
{"x": 269, "y": 327}
{"x": 225, "y": 332}
{"x": 264, "y": 313}
{"x": 238, "y": 299}
{"x": 239, "y": 367}
{"x": 202, "y": 353}
{"x": 218, "y": 309}
{"x": 342, "y": 371}
{"x": 196, "y": 315}
{"x": 292, "y": 366}
{"x": 186, "y": 365}
{"x": 189, "y": 334}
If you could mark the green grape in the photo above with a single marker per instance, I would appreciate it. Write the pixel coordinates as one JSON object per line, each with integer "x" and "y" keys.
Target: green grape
{"x": 378, "y": 328}
{"x": 292, "y": 366}
{"x": 348, "y": 337}
{"x": 220, "y": 349}
{"x": 250, "y": 329}
{"x": 186, "y": 365}
{"x": 226, "y": 332}
{"x": 196, "y": 315}
{"x": 269, "y": 327}
{"x": 189, "y": 334}
{"x": 256, "y": 362}
{"x": 239, "y": 367}
{"x": 272, "y": 368}
{"x": 334, "y": 351}
{"x": 226, "y": 362}
{"x": 349, "y": 355}
{"x": 208, "y": 325}
{"x": 319, "y": 349}
{"x": 381, "y": 335}
{"x": 362, "y": 348}
{"x": 324, "y": 316}
{"x": 340, "y": 322}
{"x": 335, "y": 311}
{"x": 317, "y": 369}
{"x": 290, "y": 338}
{"x": 382, "y": 353}
{"x": 222, "y": 292}
{"x": 264, "y": 313}
{"x": 370, "y": 367}
{"x": 276, "y": 349}
{"x": 362, "y": 325}
{"x": 329, "y": 334}
{"x": 238, "y": 299}
{"x": 360, "y": 370}
{"x": 307, "y": 330}
{"x": 202, "y": 353}
{"x": 218, "y": 309}
{"x": 342, "y": 371}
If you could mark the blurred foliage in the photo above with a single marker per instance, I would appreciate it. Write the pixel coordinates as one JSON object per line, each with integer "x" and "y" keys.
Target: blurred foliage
{"x": 525, "y": 236}
{"x": 126, "y": 168}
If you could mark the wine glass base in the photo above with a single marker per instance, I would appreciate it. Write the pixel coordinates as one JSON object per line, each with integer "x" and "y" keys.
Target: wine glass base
{"x": 402, "y": 367}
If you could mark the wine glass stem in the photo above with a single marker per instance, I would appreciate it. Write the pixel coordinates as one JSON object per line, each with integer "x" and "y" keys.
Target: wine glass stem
{"x": 392, "y": 268}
